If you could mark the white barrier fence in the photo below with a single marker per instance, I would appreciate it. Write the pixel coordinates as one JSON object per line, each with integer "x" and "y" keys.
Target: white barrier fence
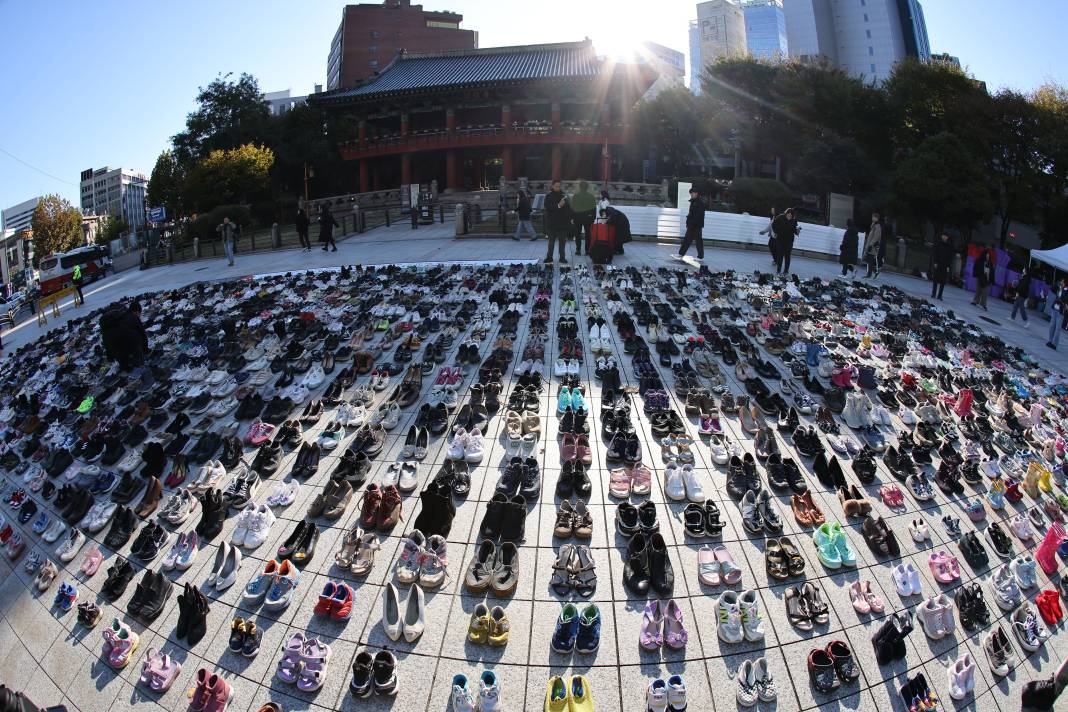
{"x": 729, "y": 227}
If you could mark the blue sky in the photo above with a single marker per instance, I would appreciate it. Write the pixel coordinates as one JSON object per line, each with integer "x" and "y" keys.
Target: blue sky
{"x": 89, "y": 84}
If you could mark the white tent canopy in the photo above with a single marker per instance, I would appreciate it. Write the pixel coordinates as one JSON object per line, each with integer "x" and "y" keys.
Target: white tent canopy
{"x": 1057, "y": 257}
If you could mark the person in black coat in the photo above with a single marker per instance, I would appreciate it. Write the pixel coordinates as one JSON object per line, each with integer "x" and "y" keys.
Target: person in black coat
{"x": 695, "y": 225}
{"x": 621, "y": 223}
{"x": 785, "y": 228}
{"x": 942, "y": 260}
{"x": 327, "y": 223}
{"x": 302, "y": 228}
{"x": 557, "y": 211}
{"x": 847, "y": 251}
{"x": 983, "y": 271}
{"x": 123, "y": 335}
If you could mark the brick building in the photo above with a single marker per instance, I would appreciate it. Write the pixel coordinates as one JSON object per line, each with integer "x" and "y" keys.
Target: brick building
{"x": 370, "y": 35}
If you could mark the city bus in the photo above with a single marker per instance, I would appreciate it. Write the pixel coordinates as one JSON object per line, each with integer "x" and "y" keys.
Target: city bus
{"x": 57, "y": 271}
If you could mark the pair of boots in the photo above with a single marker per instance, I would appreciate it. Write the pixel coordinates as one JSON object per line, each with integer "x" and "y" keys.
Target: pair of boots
{"x": 505, "y": 518}
{"x": 192, "y": 615}
{"x": 1046, "y": 554}
{"x": 648, "y": 566}
{"x": 213, "y": 514}
{"x": 438, "y": 510}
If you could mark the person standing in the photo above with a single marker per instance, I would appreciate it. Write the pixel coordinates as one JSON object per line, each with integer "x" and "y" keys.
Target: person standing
{"x": 618, "y": 220}
{"x": 604, "y": 203}
{"x": 302, "y": 228}
{"x": 1056, "y": 315}
{"x": 1023, "y": 290}
{"x": 983, "y": 271}
{"x": 872, "y": 245}
{"x": 522, "y": 213}
{"x": 583, "y": 211}
{"x": 942, "y": 258}
{"x": 847, "y": 251}
{"x": 76, "y": 281}
{"x": 695, "y": 225}
{"x": 557, "y": 220}
{"x": 228, "y": 232}
{"x": 770, "y": 232}
{"x": 785, "y": 228}
{"x": 327, "y": 223}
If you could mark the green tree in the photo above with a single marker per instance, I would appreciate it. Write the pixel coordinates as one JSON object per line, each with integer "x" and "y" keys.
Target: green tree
{"x": 229, "y": 114}
{"x": 757, "y": 196}
{"x": 671, "y": 124}
{"x": 240, "y": 175}
{"x": 165, "y": 184}
{"x": 113, "y": 228}
{"x": 945, "y": 184}
{"x": 57, "y": 227}
{"x": 308, "y": 136}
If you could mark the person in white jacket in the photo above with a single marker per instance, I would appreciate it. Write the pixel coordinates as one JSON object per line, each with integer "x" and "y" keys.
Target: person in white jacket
{"x": 771, "y": 236}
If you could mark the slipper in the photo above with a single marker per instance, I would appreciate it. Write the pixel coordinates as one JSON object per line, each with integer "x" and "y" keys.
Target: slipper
{"x": 731, "y": 573}
{"x": 708, "y": 568}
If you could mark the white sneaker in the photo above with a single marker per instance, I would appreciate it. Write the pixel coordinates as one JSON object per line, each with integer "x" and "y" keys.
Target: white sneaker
{"x": 674, "y": 487}
{"x": 244, "y": 520}
{"x": 261, "y": 521}
{"x": 729, "y": 618}
{"x": 752, "y": 621}
{"x": 458, "y": 446}
{"x": 694, "y": 491}
{"x": 474, "y": 447}
{"x": 314, "y": 377}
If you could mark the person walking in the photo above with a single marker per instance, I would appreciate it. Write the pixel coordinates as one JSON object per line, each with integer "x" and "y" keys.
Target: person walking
{"x": 583, "y": 212}
{"x": 942, "y": 259}
{"x": 770, "y": 232}
{"x": 1023, "y": 290}
{"x": 302, "y": 228}
{"x": 785, "y": 228}
{"x": 695, "y": 225}
{"x": 76, "y": 282}
{"x": 983, "y": 271}
{"x": 557, "y": 220}
{"x": 1056, "y": 315}
{"x": 872, "y": 245}
{"x": 228, "y": 232}
{"x": 522, "y": 212}
{"x": 327, "y": 223}
{"x": 847, "y": 251}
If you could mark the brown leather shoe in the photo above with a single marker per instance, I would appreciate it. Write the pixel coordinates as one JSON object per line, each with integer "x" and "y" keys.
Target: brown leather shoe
{"x": 150, "y": 500}
{"x": 338, "y": 500}
{"x": 800, "y": 510}
{"x": 389, "y": 510}
{"x": 318, "y": 505}
{"x": 814, "y": 512}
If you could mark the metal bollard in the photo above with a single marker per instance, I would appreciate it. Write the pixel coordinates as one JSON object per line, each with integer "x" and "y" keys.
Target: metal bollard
{"x": 441, "y": 212}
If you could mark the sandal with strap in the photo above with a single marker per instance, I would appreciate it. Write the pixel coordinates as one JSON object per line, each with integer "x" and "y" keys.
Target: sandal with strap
{"x": 713, "y": 523}
{"x": 775, "y": 560}
{"x": 619, "y": 483}
{"x": 795, "y": 562}
{"x": 583, "y": 572}
{"x": 795, "y": 611}
{"x": 344, "y": 557}
{"x": 289, "y": 665}
{"x": 561, "y": 579}
{"x": 693, "y": 519}
{"x": 708, "y": 568}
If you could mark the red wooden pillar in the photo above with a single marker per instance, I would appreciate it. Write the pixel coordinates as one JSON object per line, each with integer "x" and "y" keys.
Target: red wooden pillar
{"x": 452, "y": 169}
{"x": 365, "y": 175}
{"x": 508, "y": 168}
{"x": 557, "y": 162}
{"x": 606, "y": 163}
{"x": 406, "y": 168}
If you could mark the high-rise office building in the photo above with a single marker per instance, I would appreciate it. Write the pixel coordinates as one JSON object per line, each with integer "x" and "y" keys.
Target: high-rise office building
{"x": 719, "y": 31}
{"x": 18, "y": 217}
{"x": 370, "y": 35}
{"x": 670, "y": 66}
{"x": 114, "y": 191}
{"x": 864, "y": 38}
{"x": 765, "y": 29}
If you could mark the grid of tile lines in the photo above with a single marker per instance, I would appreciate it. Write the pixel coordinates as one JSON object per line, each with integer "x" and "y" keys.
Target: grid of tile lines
{"x": 526, "y": 663}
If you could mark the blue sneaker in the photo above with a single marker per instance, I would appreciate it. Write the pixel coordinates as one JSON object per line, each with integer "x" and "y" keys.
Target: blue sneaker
{"x": 563, "y": 401}
{"x": 41, "y": 523}
{"x": 567, "y": 627}
{"x": 589, "y": 630}
{"x": 260, "y": 584}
